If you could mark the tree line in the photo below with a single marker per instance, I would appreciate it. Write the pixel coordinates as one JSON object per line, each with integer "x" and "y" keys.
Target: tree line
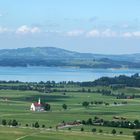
{"x": 112, "y": 123}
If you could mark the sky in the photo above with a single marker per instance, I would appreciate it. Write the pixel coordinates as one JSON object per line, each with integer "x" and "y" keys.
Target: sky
{"x": 95, "y": 26}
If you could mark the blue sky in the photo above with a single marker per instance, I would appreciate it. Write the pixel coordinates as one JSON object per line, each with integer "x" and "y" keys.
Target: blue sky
{"x": 97, "y": 26}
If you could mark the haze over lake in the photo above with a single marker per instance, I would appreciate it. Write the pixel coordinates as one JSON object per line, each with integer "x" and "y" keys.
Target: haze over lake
{"x": 36, "y": 74}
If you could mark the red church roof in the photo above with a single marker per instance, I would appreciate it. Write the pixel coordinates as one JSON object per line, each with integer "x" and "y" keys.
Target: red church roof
{"x": 37, "y": 104}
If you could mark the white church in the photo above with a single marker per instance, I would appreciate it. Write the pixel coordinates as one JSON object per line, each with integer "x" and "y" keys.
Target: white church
{"x": 37, "y": 106}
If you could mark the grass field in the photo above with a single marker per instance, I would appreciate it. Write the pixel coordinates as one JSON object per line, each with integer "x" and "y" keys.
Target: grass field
{"x": 15, "y": 104}
{"x": 38, "y": 134}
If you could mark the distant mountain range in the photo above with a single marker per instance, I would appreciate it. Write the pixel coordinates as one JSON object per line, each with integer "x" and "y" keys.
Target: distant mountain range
{"x": 51, "y": 56}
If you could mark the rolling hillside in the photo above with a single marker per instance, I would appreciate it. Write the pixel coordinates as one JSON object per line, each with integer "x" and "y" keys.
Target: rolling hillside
{"x": 51, "y": 56}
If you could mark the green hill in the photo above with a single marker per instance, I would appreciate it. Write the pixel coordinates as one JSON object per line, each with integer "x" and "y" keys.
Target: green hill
{"x": 51, "y": 56}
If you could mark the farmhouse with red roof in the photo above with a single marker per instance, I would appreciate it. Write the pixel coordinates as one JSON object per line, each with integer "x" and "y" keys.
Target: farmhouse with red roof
{"x": 37, "y": 106}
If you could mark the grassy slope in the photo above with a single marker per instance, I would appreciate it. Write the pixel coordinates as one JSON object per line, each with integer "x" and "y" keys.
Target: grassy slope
{"x": 18, "y": 104}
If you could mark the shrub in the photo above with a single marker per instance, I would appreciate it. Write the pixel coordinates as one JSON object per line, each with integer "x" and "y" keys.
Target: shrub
{"x": 121, "y": 132}
{"x": 100, "y": 131}
{"x": 64, "y": 106}
{"x": 137, "y": 135}
{"x": 43, "y": 126}
{"x": 26, "y": 125}
{"x": 69, "y": 128}
{"x": 82, "y": 129}
{"x": 14, "y": 123}
{"x": 93, "y": 130}
{"x": 113, "y": 131}
{"x": 36, "y": 125}
{"x": 4, "y": 122}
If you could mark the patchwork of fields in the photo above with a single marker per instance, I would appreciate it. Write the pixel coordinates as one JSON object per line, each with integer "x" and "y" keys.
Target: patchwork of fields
{"x": 15, "y": 104}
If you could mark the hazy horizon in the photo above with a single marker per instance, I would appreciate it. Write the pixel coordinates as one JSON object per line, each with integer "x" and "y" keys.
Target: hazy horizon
{"x": 95, "y": 26}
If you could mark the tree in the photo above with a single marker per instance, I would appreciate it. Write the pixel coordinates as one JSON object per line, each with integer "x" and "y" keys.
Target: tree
{"x": 43, "y": 126}
{"x": 27, "y": 125}
{"x": 14, "y": 123}
{"x": 89, "y": 121}
{"x": 89, "y": 90}
{"x": 106, "y": 104}
{"x": 64, "y": 106}
{"x": 47, "y": 107}
{"x": 82, "y": 129}
{"x": 137, "y": 123}
{"x": 85, "y": 104}
{"x": 100, "y": 131}
{"x": 69, "y": 128}
{"x": 121, "y": 132}
{"x": 136, "y": 75}
{"x": 91, "y": 102}
{"x": 4, "y": 122}
{"x": 113, "y": 131}
{"x": 93, "y": 130}
{"x": 83, "y": 122}
{"x": 36, "y": 125}
{"x": 96, "y": 118}
{"x": 137, "y": 135}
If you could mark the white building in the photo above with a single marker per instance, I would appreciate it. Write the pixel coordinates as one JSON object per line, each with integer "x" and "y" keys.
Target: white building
{"x": 37, "y": 106}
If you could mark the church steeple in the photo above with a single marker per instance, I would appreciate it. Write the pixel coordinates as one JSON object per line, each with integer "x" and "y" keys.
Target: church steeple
{"x": 39, "y": 102}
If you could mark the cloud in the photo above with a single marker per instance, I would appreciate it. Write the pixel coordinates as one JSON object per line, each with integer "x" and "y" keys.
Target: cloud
{"x": 108, "y": 33}
{"x": 131, "y": 34}
{"x": 136, "y": 34}
{"x": 24, "y": 29}
{"x": 127, "y": 34}
{"x": 93, "y": 33}
{"x": 99, "y": 33}
{"x": 75, "y": 33}
{"x": 4, "y": 29}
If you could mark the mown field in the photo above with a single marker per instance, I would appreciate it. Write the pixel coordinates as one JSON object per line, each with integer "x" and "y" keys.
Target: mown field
{"x": 15, "y": 104}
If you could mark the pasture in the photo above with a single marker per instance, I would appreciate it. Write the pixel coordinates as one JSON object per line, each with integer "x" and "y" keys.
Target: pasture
{"x": 38, "y": 134}
{"x": 15, "y": 104}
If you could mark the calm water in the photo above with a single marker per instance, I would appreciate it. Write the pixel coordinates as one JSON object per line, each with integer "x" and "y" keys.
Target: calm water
{"x": 36, "y": 74}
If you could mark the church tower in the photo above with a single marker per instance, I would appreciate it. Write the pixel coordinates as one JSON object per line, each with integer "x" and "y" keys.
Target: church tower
{"x": 39, "y": 102}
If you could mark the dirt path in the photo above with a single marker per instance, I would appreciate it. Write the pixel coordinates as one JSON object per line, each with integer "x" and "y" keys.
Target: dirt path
{"x": 22, "y": 137}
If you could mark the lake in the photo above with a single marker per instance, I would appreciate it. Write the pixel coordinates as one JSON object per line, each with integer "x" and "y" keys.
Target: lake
{"x": 36, "y": 74}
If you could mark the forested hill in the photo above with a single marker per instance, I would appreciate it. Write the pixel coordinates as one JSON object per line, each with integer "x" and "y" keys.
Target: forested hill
{"x": 51, "y": 56}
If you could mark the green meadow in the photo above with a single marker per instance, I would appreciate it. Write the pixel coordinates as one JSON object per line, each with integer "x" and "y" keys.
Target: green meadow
{"x": 38, "y": 134}
{"x": 15, "y": 104}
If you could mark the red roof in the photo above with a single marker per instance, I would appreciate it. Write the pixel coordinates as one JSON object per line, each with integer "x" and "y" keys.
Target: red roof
{"x": 37, "y": 105}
